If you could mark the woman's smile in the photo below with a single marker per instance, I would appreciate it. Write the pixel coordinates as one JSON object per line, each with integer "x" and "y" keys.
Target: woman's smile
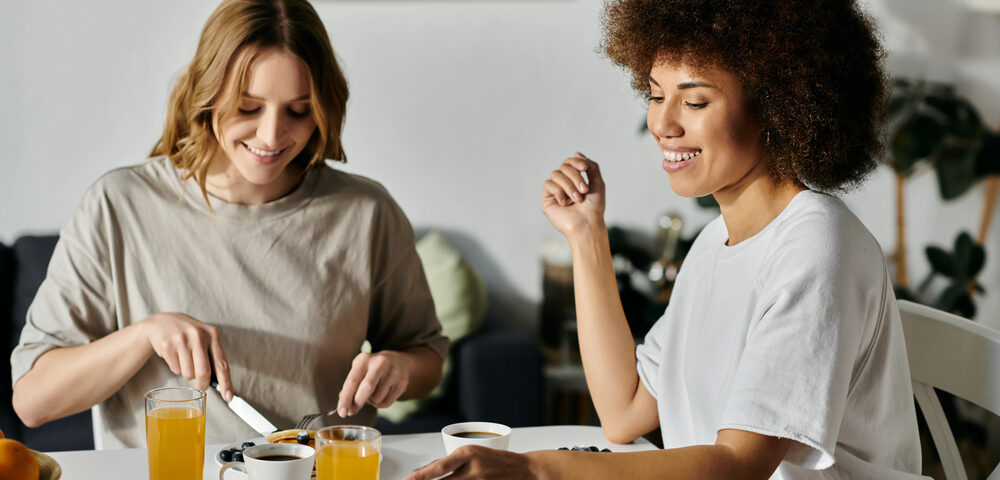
{"x": 263, "y": 156}
{"x": 676, "y": 158}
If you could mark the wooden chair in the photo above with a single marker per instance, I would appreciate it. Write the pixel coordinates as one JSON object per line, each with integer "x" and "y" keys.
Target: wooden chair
{"x": 953, "y": 354}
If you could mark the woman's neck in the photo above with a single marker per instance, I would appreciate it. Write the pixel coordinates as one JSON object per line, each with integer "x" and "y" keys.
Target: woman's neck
{"x": 229, "y": 185}
{"x": 752, "y": 204}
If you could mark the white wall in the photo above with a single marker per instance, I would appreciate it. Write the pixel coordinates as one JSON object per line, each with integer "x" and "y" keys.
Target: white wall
{"x": 461, "y": 108}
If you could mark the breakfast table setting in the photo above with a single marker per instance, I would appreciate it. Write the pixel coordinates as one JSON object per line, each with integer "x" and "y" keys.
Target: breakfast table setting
{"x": 400, "y": 454}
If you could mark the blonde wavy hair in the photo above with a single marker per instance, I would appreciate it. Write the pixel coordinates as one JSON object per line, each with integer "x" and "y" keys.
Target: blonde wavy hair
{"x": 235, "y": 33}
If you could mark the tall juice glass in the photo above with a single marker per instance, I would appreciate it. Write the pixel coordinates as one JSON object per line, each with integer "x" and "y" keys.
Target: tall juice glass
{"x": 175, "y": 433}
{"x": 348, "y": 452}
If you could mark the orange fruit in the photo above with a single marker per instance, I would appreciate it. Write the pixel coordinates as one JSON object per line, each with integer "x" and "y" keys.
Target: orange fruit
{"x": 16, "y": 461}
{"x": 1, "y": 433}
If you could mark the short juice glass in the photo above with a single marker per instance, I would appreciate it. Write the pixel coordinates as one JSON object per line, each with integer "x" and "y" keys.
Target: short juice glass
{"x": 175, "y": 433}
{"x": 348, "y": 452}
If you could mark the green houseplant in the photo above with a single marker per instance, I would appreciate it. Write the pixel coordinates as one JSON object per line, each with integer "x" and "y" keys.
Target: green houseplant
{"x": 931, "y": 127}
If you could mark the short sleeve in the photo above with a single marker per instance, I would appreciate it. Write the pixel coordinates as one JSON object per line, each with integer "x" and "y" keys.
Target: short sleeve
{"x": 74, "y": 303}
{"x": 793, "y": 377}
{"x": 402, "y": 313}
{"x": 649, "y": 354}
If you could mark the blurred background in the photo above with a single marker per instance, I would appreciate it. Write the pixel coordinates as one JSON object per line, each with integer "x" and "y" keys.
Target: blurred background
{"x": 460, "y": 108}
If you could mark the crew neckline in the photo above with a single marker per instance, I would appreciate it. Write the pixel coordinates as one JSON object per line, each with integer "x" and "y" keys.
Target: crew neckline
{"x": 278, "y": 207}
{"x": 730, "y": 250}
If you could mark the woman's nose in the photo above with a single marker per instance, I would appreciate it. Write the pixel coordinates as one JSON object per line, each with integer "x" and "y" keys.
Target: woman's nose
{"x": 271, "y": 129}
{"x": 663, "y": 121}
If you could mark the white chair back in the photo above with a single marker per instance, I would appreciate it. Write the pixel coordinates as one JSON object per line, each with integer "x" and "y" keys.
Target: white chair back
{"x": 98, "y": 425}
{"x": 959, "y": 356}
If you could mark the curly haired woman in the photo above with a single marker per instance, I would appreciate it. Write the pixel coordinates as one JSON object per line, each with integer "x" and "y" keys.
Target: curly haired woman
{"x": 781, "y": 353}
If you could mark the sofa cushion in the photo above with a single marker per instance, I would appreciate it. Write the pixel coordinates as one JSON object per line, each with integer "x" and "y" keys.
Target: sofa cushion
{"x": 459, "y": 300}
{"x": 9, "y": 424}
{"x": 32, "y": 254}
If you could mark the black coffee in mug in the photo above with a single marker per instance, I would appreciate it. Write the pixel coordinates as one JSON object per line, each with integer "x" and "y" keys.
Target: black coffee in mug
{"x": 475, "y": 434}
{"x": 278, "y": 458}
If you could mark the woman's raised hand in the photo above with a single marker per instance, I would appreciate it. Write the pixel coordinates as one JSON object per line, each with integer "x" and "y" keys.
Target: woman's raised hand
{"x": 191, "y": 349}
{"x": 571, "y": 202}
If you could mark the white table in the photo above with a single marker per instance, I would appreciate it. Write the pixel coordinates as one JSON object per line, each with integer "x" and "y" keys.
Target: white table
{"x": 400, "y": 453}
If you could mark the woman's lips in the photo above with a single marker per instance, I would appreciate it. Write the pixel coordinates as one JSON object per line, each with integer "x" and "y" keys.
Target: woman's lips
{"x": 674, "y": 160}
{"x": 264, "y": 157}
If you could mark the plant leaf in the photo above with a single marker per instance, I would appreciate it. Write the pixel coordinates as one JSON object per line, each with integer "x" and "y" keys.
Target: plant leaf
{"x": 901, "y": 83}
{"x": 940, "y": 89}
{"x": 964, "y": 255}
{"x": 977, "y": 258}
{"x": 955, "y": 165}
{"x": 941, "y": 261}
{"x": 708, "y": 201}
{"x": 897, "y": 104}
{"x": 915, "y": 138}
{"x": 964, "y": 306}
{"x": 963, "y": 119}
{"x": 988, "y": 157}
{"x": 948, "y": 297}
{"x": 903, "y": 293}
{"x": 956, "y": 300}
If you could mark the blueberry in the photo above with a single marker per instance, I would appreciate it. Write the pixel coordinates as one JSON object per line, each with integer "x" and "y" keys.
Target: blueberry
{"x": 594, "y": 449}
{"x": 303, "y": 438}
{"x": 605, "y": 449}
{"x": 237, "y": 456}
{"x": 226, "y": 455}
{"x": 246, "y": 445}
{"x": 563, "y": 448}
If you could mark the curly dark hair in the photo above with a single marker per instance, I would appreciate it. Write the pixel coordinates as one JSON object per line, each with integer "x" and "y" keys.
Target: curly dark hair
{"x": 811, "y": 69}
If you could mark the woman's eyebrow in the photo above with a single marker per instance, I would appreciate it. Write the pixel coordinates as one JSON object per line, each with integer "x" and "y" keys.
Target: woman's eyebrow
{"x": 297, "y": 99}
{"x": 686, "y": 85}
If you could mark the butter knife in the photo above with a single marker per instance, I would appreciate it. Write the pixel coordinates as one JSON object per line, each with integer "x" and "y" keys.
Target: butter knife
{"x": 248, "y": 414}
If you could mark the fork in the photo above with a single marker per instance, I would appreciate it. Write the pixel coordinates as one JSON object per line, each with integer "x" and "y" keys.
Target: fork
{"x": 307, "y": 419}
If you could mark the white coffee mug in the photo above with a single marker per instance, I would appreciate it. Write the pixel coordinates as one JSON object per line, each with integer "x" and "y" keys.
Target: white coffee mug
{"x": 487, "y": 434}
{"x": 258, "y": 467}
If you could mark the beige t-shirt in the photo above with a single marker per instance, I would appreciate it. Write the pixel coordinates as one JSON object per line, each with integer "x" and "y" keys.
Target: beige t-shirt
{"x": 295, "y": 286}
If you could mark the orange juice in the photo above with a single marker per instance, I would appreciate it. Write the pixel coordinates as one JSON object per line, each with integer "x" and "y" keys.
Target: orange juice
{"x": 347, "y": 462}
{"x": 175, "y": 437}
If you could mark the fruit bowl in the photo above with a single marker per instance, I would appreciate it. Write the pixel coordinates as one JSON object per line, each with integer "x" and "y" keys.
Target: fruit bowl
{"x": 48, "y": 469}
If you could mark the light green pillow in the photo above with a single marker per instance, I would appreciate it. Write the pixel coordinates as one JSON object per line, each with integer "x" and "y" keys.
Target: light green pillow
{"x": 460, "y": 301}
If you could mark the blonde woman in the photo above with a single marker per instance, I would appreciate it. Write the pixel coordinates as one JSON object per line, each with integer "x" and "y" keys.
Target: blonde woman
{"x": 236, "y": 250}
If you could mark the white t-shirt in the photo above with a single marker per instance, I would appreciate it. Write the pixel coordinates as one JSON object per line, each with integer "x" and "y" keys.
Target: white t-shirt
{"x": 792, "y": 333}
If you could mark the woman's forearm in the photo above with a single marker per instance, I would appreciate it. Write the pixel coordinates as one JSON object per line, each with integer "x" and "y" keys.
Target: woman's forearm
{"x": 606, "y": 343}
{"x": 64, "y": 381}
{"x": 425, "y": 373}
{"x": 695, "y": 462}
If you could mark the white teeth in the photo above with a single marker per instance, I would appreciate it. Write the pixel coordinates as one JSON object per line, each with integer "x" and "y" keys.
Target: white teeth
{"x": 263, "y": 153}
{"x": 678, "y": 157}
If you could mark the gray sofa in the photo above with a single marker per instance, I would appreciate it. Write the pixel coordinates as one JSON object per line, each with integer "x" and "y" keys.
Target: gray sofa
{"x": 498, "y": 369}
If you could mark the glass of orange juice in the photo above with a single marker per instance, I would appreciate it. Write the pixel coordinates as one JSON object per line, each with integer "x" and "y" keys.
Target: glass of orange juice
{"x": 348, "y": 452}
{"x": 175, "y": 433}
